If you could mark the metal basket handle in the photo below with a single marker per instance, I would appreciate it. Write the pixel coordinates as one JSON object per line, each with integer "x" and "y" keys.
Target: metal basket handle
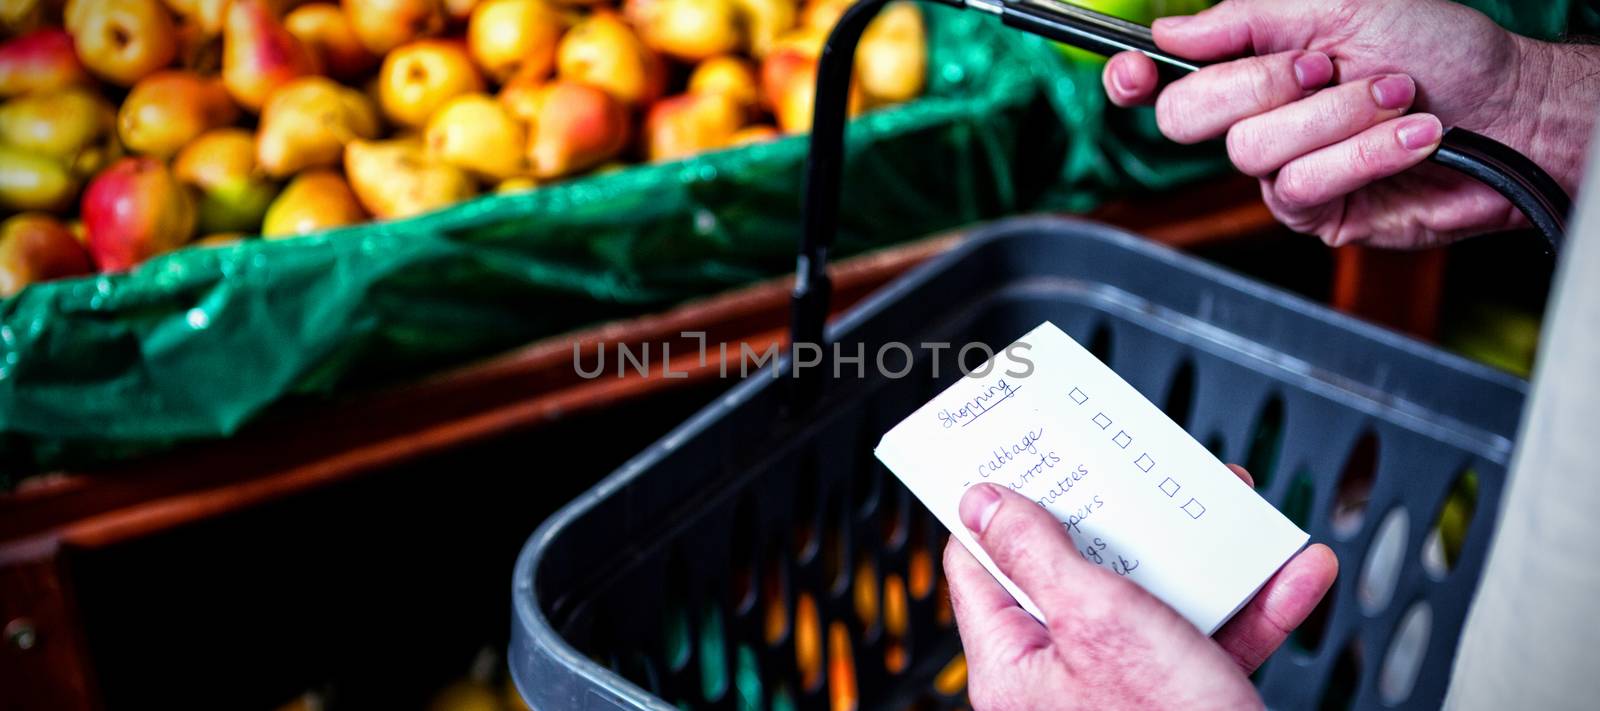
{"x": 1510, "y": 173}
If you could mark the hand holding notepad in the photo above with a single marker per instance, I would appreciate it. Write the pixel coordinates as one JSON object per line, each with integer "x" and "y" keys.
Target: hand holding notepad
{"x": 1091, "y": 492}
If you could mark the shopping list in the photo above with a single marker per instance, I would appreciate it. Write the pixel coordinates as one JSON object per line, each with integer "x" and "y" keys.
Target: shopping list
{"x": 1137, "y": 495}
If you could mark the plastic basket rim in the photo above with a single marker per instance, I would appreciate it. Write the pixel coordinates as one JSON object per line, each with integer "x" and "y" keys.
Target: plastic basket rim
{"x": 542, "y": 635}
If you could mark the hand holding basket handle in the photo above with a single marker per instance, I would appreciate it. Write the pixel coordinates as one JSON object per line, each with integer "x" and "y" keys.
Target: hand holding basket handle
{"x": 1344, "y": 174}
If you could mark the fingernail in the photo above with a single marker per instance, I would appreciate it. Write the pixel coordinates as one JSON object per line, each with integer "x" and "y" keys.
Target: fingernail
{"x": 978, "y": 506}
{"x": 1122, "y": 78}
{"x": 1419, "y": 132}
{"x": 1313, "y": 69}
{"x": 1394, "y": 91}
{"x": 1172, "y": 23}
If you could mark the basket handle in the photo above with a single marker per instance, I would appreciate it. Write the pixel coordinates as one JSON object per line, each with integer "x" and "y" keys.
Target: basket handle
{"x": 1510, "y": 173}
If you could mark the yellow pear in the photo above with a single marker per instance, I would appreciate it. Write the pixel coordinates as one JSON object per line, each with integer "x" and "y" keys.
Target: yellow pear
{"x": 892, "y": 58}
{"x": 397, "y": 178}
{"x": 418, "y": 78}
{"x": 603, "y": 51}
{"x": 307, "y": 123}
{"x": 474, "y": 132}
{"x": 692, "y": 30}
{"x": 509, "y": 37}
{"x": 63, "y": 123}
{"x": 765, "y": 21}
{"x": 730, "y": 76}
{"x": 221, "y": 165}
{"x": 683, "y": 125}
{"x": 315, "y": 200}
{"x": 29, "y": 181}
{"x": 383, "y": 25}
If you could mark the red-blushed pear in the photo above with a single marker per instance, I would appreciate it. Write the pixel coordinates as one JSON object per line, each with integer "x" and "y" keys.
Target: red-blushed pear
{"x": 122, "y": 41}
{"x": 168, "y": 109}
{"x": 134, "y": 210}
{"x": 578, "y": 127}
{"x": 315, "y": 200}
{"x": 325, "y": 29}
{"x": 42, "y": 60}
{"x": 603, "y": 51}
{"x": 688, "y": 124}
{"x": 259, "y": 54}
{"x": 789, "y": 85}
{"x": 308, "y": 122}
{"x": 35, "y": 247}
{"x": 418, "y": 78}
{"x": 383, "y": 25}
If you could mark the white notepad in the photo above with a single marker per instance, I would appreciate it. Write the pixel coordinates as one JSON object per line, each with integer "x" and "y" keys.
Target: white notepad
{"x": 1137, "y": 494}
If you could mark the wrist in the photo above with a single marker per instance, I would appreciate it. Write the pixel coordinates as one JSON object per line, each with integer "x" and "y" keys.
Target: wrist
{"x": 1551, "y": 117}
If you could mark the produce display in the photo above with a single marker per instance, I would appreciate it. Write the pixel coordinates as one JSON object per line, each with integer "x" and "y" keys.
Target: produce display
{"x": 130, "y": 128}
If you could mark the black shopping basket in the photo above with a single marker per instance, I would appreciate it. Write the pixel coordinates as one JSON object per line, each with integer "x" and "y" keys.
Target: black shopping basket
{"x": 759, "y": 557}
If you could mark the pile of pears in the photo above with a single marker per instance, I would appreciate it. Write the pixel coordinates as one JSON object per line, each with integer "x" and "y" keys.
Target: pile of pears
{"x": 130, "y": 128}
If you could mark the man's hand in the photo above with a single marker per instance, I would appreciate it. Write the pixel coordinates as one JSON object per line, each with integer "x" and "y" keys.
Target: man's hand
{"x": 1336, "y": 104}
{"x": 1109, "y": 644}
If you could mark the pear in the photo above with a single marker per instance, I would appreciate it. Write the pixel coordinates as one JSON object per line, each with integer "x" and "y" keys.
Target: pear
{"x": 122, "y": 41}
{"x": 515, "y": 37}
{"x": 61, "y": 123}
{"x": 326, "y": 31}
{"x": 727, "y": 75}
{"x": 308, "y": 122}
{"x": 35, "y": 247}
{"x": 692, "y": 30}
{"x": 687, "y": 124}
{"x": 789, "y": 86}
{"x": 134, "y": 210}
{"x": 578, "y": 127}
{"x": 205, "y": 15}
{"x": 759, "y": 133}
{"x": 315, "y": 200}
{"x": 823, "y": 14}
{"x": 476, "y": 133}
{"x": 459, "y": 10}
{"x": 42, "y": 60}
{"x": 518, "y": 184}
{"x": 384, "y": 25}
{"x": 397, "y": 178}
{"x": 29, "y": 181}
{"x": 520, "y": 96}
{"x": 171, "y": 108}
{"x": 603, "y": 51}
{"x": 892, "y": 57}
{"x": 764, "y": 21}
{"x": 221, "y": 165}
{"x": 420, "y": 77}
{"x": 259, "y": 54}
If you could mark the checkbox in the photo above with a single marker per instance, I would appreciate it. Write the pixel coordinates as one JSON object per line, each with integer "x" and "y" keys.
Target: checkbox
{"x": 1170, "y": 487}
{"x": 1078, "y": 396}
{"x": 1101, "y": 419}
{"x": 1144, "y": 463}
{"x": 1194, "y": 509}
{"x": 1122, "y": 439}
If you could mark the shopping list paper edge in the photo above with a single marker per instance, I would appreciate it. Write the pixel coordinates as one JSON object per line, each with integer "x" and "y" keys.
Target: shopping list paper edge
{"x": 1207, "y": 593}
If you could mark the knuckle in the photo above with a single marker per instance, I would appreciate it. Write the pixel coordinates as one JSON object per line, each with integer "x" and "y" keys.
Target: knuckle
{"x": 1296, "y": 189}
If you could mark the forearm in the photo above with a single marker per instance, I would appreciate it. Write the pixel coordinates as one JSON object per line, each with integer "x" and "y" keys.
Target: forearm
{"x": 1560, "y": 88}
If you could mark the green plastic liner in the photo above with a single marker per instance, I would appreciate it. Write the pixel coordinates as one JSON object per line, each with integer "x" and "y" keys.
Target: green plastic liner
{"x": 195, "y": 344}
